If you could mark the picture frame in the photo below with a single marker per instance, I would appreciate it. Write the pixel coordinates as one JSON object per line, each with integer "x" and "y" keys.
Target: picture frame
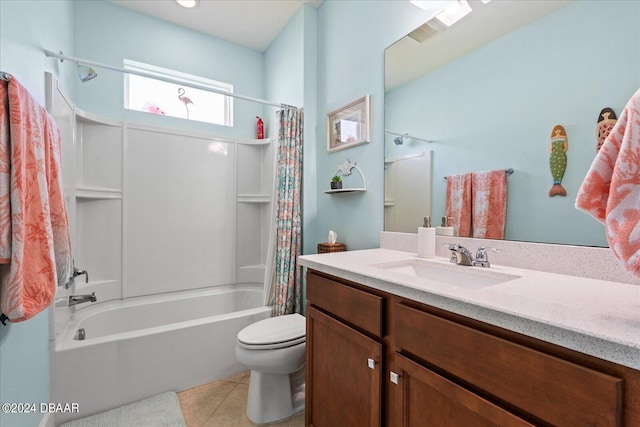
{"x": 348, "y": 126}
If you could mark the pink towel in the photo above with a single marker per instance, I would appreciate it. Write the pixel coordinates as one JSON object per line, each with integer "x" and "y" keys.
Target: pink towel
{"x": 611, "y": 190}
{"x": 489, "y": 204}
{"x": 40, "y": 244}
{"x": 459, "y": 203}
{"x": 5, "y": 178}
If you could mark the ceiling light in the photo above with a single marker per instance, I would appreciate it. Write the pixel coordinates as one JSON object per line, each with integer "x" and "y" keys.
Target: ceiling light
{"x": 188, "y": 3}
{"x": 454, "y": 13}
{"x": 450, "y": 11}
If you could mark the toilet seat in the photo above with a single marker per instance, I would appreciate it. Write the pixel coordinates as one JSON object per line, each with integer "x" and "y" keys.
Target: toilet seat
{"x": 275, "y": 332}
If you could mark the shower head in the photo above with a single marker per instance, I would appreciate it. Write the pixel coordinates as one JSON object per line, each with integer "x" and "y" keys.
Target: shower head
{"x": 399, "y": 140}
{"x": 85, "y": 73}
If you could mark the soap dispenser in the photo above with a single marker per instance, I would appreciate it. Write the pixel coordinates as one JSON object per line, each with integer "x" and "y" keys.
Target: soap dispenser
{"x": 426, "y": 239}
{"x": 444, "y": 229}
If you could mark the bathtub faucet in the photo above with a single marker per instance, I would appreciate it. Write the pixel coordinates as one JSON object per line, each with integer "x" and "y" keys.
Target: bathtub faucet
{"x": 79, "y": 299}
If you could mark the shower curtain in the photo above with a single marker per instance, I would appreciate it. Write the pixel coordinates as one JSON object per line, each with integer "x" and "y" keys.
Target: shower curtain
{"x": 282, "y": 280}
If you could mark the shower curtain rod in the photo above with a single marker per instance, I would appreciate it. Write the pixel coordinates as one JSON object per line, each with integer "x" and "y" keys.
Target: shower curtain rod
{"x": 162, "y": 78}
{"x": 406, "y": 135}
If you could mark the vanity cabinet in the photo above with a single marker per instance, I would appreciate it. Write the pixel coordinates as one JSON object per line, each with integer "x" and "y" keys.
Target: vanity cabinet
{"x": 437, "y": 368}
{"x": 344, "y": 359}
{"x": 426, "y": 398}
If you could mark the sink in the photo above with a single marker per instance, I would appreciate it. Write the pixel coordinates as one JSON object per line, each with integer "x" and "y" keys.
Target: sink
{"x": 453, "y": 275}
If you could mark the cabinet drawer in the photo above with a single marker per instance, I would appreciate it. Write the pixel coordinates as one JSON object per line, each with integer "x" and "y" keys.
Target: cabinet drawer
{"x": 352, "y": 305}
{"x": 551, "y": 389}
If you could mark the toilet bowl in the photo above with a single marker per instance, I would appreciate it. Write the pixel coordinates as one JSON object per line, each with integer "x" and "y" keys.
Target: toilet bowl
{"x": 274, "y": 350}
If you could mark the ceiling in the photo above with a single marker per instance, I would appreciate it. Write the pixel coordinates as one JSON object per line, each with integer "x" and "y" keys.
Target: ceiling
{"x": 485, "y": 23}
{"x": 251, "y": 23}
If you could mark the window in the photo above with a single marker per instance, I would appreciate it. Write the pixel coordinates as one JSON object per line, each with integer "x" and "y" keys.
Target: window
{"x": 159, "y": 97}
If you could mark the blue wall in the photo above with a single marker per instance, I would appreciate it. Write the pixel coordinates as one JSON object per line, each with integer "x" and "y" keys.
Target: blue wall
{"x": 290, "y": 77}
{"x": 352, "y": 36}
{"x": 495, "y": 108}
{"x": 25, "y": 28}
{"x": 107, "y": 33}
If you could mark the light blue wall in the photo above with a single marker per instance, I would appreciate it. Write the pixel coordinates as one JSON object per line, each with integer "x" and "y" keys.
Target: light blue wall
{"x": 25, "y": 28}
{"x": 495, "y": 108}
{"x": 352, "y": 36}
{"x": 108, "y": 33}
{"x": 291, "y": 78}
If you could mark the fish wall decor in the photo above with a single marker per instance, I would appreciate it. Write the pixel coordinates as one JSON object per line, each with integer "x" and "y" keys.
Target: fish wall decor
{"x": 606, "y": 120}
{"x": 558, "y": 160}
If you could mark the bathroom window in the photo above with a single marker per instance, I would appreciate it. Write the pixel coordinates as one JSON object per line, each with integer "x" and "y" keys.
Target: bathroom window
{"x": 159, "y": 97}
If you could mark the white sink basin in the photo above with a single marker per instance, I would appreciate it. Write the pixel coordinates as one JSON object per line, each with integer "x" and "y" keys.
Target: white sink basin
{"x": 454, "y": 275}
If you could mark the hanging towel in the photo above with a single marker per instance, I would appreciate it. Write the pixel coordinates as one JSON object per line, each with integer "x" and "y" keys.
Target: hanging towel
{"x": 459, "y": 203}
{"x": 611, "y": 190}
{"x": 5, "y": 178}
{"x": 40, "y": 244}
{"x": 489, "y": 204}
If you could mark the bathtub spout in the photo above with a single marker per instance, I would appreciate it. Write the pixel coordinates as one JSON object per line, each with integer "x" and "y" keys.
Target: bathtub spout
{"x": 79, "y": 299}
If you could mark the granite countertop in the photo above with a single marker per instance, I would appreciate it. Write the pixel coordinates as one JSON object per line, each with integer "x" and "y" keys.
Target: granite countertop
{"x": 596, "y": 317}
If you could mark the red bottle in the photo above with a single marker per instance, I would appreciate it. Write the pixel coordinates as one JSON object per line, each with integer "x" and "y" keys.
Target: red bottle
{"x": 260, "y": 128}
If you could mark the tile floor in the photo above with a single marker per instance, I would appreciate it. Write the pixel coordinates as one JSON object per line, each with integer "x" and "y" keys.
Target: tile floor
{"x": 222, "y": 403}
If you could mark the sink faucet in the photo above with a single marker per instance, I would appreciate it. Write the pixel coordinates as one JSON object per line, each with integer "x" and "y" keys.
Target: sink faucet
{"x": 79, "y": 299}
{"x": 482, "y": 259}
{"x": 459, "y": 254}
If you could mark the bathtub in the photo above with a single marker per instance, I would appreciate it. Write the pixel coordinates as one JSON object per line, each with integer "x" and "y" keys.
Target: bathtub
{"x": 142, "y": 346}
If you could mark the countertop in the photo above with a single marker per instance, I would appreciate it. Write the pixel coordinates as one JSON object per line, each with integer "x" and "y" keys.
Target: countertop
{"x": 596, "y": 317}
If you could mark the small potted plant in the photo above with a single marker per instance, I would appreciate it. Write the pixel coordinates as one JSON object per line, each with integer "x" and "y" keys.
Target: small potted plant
{"x": 336, "y": 182}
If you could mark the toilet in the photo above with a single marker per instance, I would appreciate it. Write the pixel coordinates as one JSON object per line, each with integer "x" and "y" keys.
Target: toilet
{"x": 274, "y": 350}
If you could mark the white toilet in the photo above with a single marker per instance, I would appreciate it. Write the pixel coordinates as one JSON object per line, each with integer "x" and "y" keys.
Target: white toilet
{"x": 274, "y": 350}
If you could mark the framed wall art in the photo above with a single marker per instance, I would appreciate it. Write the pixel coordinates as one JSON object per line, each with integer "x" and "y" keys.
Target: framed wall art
{"x": 349, "y": 125}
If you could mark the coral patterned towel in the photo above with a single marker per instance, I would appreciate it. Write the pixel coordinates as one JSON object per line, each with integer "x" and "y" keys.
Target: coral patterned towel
{"x": 40, "y": 247}
{"x": 611, "y": 190}
{"x": 489, "y": 206}
{"x": 459, "y": 203}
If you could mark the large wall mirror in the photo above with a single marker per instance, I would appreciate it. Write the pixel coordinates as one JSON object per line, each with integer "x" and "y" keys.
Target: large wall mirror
{"x": 488, "y": 90}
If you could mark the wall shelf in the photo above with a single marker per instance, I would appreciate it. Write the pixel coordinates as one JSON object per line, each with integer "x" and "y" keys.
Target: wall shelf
{"x": 346, "y": 190}
{"x": 344, "y": 169}
{"x": 94, "y": 193}
{"x": 254, "y": 198}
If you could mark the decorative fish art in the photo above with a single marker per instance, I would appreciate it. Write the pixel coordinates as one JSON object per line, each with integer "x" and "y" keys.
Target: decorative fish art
{"x": 558, "y": 160}
{"x": 606, "y": 120}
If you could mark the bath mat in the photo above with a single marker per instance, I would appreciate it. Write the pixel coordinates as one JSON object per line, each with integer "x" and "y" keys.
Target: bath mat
{"x": 162, "y": 410}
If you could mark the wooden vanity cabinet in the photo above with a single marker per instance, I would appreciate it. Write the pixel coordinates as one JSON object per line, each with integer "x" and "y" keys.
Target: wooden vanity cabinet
{"x": 437, "y": 368}
{"x": 344, "y": 359}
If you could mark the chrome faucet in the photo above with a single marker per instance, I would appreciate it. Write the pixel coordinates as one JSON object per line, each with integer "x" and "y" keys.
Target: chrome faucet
{"x": 79, "y": 299}
{"x": 77, "y": 272}
{"x": 459, "y": 254}
{"x": 482, "y": 259}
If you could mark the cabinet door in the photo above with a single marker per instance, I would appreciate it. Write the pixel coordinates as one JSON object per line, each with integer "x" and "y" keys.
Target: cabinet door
{"x": 344, "y": 374}
{"x": 427, "y": 399}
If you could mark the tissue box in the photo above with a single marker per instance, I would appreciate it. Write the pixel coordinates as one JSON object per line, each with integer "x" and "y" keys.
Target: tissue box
{"x": 324, "y": 248}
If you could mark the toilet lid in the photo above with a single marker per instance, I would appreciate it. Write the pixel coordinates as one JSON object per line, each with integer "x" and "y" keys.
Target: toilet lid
{"x": 280, "y": 331}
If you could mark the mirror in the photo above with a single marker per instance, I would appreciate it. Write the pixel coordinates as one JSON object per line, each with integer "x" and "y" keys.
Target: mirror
{"x": 489, "y": 90}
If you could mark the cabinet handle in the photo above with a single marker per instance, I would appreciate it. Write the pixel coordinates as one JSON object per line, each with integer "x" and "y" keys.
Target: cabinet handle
{"x": 394, "y": 377}
{"x": 371, "y": 363}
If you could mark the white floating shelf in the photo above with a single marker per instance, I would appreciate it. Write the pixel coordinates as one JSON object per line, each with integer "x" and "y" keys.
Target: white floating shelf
{"x": 254, "y": 198}
{"x": 346, "y": 190}
{"x": 98, "y": 193}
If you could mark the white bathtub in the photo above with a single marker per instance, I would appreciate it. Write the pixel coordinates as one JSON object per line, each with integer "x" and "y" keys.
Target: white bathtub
{"x": 139, "y": 347}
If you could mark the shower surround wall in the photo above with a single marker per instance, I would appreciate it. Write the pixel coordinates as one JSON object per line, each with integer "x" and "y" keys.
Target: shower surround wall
{"x": 156, "y": 210}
